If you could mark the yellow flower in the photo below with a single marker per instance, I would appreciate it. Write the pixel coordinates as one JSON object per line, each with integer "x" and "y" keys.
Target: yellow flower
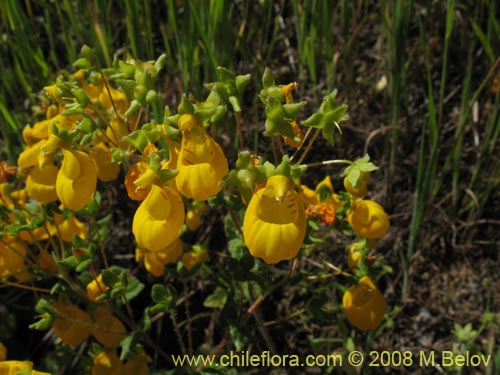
{"x": 67, "y": 228}
{"x": 105, "y": 168}
{"x": 41, "y": 184}
{"x": 14, "y": 367}
{"x": 192, "y": 258}
{"x": 361, "y": 188}
{"x": 95, "y": 288}
{"x": 12, "y": 254}
{"x": 155, "y": 261}
{"x": 368, "y": 219}
{"x": 76, "y": 180}
{"x": 108, "y": 363}
{"x": 274, "y": 226}
{"x": 72, "y": 324}
{"x": 158, "y": 219}
{"x": 201, "y": 163}
{"x": 364, "y": 305}
{"x": 31, "y": 155}
{"x": 107, "y": 329}
{"x": 3, "y": 352}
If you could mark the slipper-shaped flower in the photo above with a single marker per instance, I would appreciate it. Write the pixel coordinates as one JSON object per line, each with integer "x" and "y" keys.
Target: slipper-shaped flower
{"x": 364, "y": 305}
{"x": 76, "y": 180}
{"x": 158, "y": 219}
{"x": 201, "y": 163}
{"x": 41, "y": 184}
{"x": 368, "y": 219}
{"x": 275, "y": 223}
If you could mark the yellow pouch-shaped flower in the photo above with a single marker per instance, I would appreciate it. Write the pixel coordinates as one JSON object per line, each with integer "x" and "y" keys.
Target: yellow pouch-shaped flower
{"x": 72, "y": 324}
{"x": 155, "y": 261}
{"x": 275, "y": 223}
{"x": 31, "y": 154}
{"x": 368, "y": 219}
{"x": 41, "y": 184}
{"x": 105, "y": 168}
{"x": 201, "y": 163}
{"x": 364, "y": 305}
{"x": 76, "y": 180}
{"x": 158, "y": 219}
{"x": 15, "y": 367}
{"x": 107, "y": 329}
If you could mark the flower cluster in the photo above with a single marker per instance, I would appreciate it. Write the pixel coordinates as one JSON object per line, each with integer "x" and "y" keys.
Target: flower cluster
{"x": 109, "y": 127}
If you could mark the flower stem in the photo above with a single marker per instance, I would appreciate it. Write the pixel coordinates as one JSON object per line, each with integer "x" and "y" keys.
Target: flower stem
{"x": 328, "y": 162}
{"x": 309, "y": 145}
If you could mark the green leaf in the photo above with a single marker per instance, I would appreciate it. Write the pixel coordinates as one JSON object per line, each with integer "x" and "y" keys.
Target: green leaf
{"x": 43, "y": 324}
{"x": 239, "y": 338}
{"x": 164, "y": 297}
{"x": 134, "y": 287}
{"x": 127, "y": 345}
{"x": 217, "y": 299}
{"x": 328, "y": 118}
{"x": 110, "y": 278}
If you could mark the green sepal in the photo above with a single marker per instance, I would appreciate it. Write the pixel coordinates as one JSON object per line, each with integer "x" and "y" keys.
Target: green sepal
{"x": 119, "y": 156}
{"x": 135, "y": 105}
{"x": 278, "y": 120}
{"x": 89, "y": 54}
{"x": 140, "y": 138}
{"x": 185, "y": 106}
{"x": 167, "y": 174}
{"x": 241, "y": 82}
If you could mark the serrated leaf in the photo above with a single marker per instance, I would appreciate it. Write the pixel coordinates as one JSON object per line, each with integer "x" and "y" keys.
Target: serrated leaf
{"x": 353, "y": 175}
